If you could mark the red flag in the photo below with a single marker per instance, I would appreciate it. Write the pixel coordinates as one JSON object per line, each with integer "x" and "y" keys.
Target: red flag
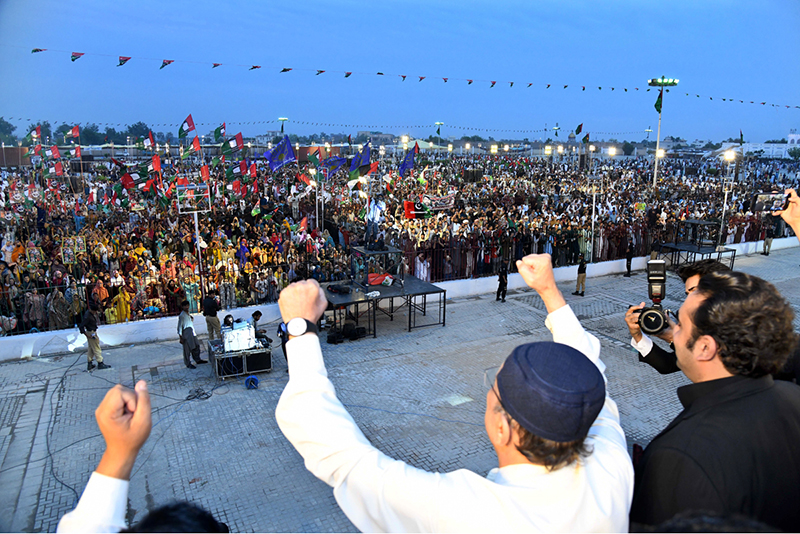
{"x": 149, "y": 185}
{"x": 78, "y": 151}
{"x": 373, "y": 167}
{"x": 156, "y": 163}
{"x": 255, "y": 187}
{"x": 236, "y": 186}
{"x": 303, "y": 178}
{"x": 75, "y": 132}
{"x": 204, "y": 173}
{"x": 304, "y": 224}
{"x": 196, "y": 144}
{"x": 127, "y": 181}
{"x": 118, "y": 163}
{"x": 37, "y": 149}
{"x": 253, "y": 170}
{"x": 416, "y": 148}
{"x": 59, "y": 169}
{"x": 54, "y": 153}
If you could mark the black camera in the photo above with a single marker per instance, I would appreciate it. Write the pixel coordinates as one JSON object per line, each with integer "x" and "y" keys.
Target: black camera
{"x": 653, "y": 319}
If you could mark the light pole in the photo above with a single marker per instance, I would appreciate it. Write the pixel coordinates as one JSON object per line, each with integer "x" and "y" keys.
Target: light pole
{"x": 592, "y": 148}
{"x": 730, "y": 155}
{"x": 19, "y": 154}
{"x": 612, "y": 151}
{"x": 282, "y": 120}
{"x": 660, "y": 83}
{"x": 4, "y": 154}
{"x": 438, "y": 130}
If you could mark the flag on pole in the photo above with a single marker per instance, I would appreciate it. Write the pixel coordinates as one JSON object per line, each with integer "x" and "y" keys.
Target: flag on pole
{"x": 281, "y": 154}
{"x": 148, "y": 141}
{"x": 37, "y": 50}
{"x": 36, "y": 133}
{"x": 360, "y": 160}
{"x": 204, "y": 173}
{"x": 253, "y": 170}
{"x": 304, "y": 224}
{"x": 236, "y": 143}
{"x": 741, "y": 138}
{"x": 579, "y": 129}
{"x": 192, "y": 149}
{"x": 219, "y": 133}
{"x": 235, "y": 171}
{"x": 166, "y": 62}
{"x": 77, "y": 152}
{"x": 659, "y": 100}
{"x": 53, "y": 152}
{"x": 74, "y": 132}
{"x": 332, "y": 164}
{"x": 76, "y": 56}
{"x": 407, "y": 164}
{"x": 127, "y": 181}
{"x": 123, "y": 60}
{"x": 186, "y": 127}
{"x": 416, "y": 147}
{"x": 156, "y": 163}
{"x": 585, "y": 139}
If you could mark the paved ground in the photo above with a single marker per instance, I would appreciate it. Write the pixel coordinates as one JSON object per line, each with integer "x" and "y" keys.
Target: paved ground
{"x": 417, "y": 396}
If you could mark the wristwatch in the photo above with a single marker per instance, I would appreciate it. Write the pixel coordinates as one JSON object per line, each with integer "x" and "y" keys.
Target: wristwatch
{"x": 299, "y": 326}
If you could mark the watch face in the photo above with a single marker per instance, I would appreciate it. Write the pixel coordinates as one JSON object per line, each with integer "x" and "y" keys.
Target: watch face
{"x": 296, "y": 327}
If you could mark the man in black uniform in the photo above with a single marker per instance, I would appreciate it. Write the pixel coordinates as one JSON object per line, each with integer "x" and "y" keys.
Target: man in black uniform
{"x": 210, "y": 309}
{"x": 580, "y": 284}
{"x": 502, "y": 281}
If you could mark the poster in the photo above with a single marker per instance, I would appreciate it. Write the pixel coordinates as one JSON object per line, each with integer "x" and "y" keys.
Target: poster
{"x": 80, "y": 245}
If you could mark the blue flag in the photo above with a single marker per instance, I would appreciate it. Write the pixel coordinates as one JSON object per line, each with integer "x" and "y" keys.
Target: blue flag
{"x": 407, "y": 164}
{"x": 360, "y": 159}
{"x": 333, "y": 164}
{"x": 281, "y": 154}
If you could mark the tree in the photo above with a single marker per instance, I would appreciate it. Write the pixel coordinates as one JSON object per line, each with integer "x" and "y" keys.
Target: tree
{"x": 627, "y": 148}
{"x": 138, "y": 129}
{"x": 783, "y": 141}
{"x": 7, "y": 131}
{"x": 794, "y": 153}
{"x": 712, "y": 146}
{"x": 90, "y": 135}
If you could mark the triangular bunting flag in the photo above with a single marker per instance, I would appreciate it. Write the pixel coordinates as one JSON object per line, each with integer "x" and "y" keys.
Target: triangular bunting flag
{"x": 123, "y": 60}
{"x": 166, "y": 62}
{"x": 76, "y": 56}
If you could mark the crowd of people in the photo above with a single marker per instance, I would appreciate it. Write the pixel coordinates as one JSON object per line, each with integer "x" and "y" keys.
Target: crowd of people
{"x": 86, "y": 239}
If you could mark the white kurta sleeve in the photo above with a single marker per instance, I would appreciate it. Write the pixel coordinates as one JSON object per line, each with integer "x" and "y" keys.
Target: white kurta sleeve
{"x": 101, "y": 507}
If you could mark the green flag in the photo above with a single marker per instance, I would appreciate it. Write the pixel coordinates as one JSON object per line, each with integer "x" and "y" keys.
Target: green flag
{"x": 219, "y": 133}
{"x": 314, "y": 159}
{"x": 659, "y": 100}
{"x": 585, "y": 139}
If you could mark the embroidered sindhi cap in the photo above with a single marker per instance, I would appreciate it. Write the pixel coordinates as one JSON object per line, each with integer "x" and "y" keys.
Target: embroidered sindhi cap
{"x": 552, "y": 390}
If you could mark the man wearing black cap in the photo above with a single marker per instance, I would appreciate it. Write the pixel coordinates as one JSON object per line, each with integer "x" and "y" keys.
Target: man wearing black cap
{"x": 562, "y": 458}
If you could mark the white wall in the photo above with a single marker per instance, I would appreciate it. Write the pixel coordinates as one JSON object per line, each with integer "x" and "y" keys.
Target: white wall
{"x": 150, "y": 330}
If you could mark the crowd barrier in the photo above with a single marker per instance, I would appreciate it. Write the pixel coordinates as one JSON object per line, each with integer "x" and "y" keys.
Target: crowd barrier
{"x": 70, "y": 341}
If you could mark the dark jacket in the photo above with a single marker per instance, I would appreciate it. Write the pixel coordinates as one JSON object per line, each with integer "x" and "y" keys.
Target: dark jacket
{"x": 733, "y": 449}
{"x": 89, "y": 322}
{"x": 210, "y": 306}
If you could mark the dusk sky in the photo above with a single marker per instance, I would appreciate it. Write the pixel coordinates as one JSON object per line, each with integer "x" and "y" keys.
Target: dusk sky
{"x": 733, "y": 49}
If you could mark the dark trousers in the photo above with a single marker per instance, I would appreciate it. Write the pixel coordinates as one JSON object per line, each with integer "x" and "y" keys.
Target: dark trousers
{"x": 501, "y": 290}
{"x": 628, "y": 264}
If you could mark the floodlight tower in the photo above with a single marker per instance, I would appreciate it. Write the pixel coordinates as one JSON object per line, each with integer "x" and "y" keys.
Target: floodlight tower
{"x": 661, "y": 83}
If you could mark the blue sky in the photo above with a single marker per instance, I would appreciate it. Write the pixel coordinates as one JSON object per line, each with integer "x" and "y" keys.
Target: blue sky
{"x": 722, "y": 49}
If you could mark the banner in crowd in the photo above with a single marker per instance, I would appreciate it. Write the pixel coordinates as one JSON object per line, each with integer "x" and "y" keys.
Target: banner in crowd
{"x": 439, "y": 203}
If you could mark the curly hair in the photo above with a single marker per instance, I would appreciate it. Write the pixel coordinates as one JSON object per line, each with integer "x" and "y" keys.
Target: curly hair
{"x": 702, "y": 268}
{"x": 749, "y": 320}
{"x": 552, "y": 454}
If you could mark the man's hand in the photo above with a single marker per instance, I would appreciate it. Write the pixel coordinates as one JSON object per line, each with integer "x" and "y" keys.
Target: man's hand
{"x": 632, "y": 321}
{"x": 125, "y": 421}
{"x": 537, "y": 271}
{"x": 792, "y": 214}
{"x": 302, "y": 299}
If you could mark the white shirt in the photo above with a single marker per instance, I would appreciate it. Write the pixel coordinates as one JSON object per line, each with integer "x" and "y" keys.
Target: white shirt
{"x": 380, "y": 494}
{"x": 101, "y": 508}
{"x": 644, "y": 346}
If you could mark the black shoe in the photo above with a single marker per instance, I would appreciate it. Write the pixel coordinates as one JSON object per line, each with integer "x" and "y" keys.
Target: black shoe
{"x": 575, "y": 293}
{"x": 503, "y": 300}
{"x": 269, "y": 340}
{"x": 90, "y": 366}
{"x": 190, "y": 366}
{"x": 498, "y": 298}
{"x": 581, "y": 293}
{"x": 103, "y": 365}
{"x": 198, "y": 362}
{"x": 627, "y": 275}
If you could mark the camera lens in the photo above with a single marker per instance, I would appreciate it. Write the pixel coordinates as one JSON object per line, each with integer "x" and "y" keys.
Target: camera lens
{"x": 652, "y": 321}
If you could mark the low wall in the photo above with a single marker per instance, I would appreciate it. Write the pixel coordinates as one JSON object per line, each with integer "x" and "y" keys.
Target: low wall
{"x": 165, "y": 329}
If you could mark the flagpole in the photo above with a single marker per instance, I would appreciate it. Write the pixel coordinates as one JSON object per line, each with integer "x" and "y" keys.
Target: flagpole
{"x": 658, "y": 144}
{"x": 83, "y": 176}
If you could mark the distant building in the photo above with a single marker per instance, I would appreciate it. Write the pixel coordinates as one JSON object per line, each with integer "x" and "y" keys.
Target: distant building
{"x": 378, "y": 138}
{"x": 794, "y": 137}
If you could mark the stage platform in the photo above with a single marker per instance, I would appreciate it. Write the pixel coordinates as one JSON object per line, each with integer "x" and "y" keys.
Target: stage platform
{"x": 414, "y": 294}
{"x": 677, "y": 254}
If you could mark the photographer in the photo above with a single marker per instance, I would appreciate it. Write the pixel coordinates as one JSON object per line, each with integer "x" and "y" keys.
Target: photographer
{"x": 659, "y": 359}
{"x": 561, "y": 453}
{"x": 733, "y": 449}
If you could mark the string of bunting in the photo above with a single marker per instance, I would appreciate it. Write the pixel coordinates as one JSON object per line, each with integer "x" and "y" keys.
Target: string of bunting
{"x": 122, "y": 60}
{"x": 370, "y": 126}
